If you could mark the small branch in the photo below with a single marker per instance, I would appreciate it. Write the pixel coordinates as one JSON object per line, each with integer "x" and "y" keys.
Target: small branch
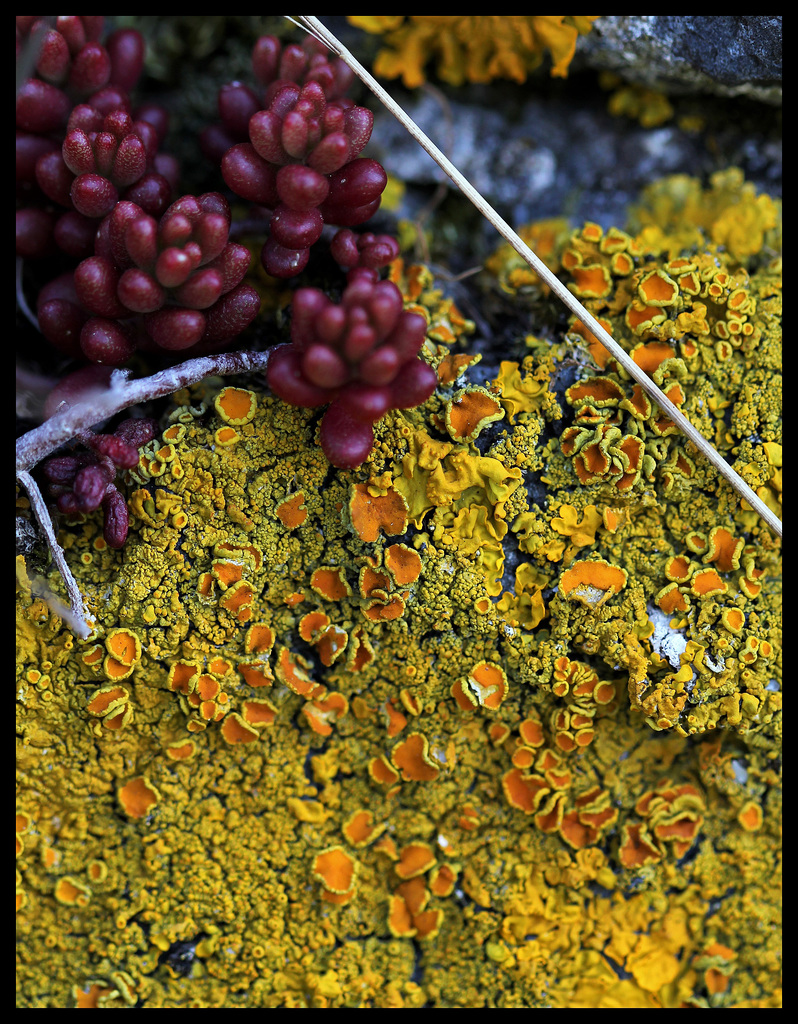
{"x": 42, "y": 441}
{"x": 76, "y": 616}
{"x": 317, "y": 29}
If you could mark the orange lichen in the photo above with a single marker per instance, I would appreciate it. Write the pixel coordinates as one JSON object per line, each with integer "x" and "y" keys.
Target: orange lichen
{"x": 323, "y": 713}
{"x": 292, "y": 513}
{"x": 598, "y": 391}
{"x": 672, "y": 599}
{"x": 412, "y": 758}
{"x": 107, "y": 700}
{"x": 403, "y": 563}
{"x": 259, "y": 638}
{"x": 637, "y": 848}
{"x": 138, "y": 797}
{"x": 524, "y": 792}
{"x": 385, "y": 611}
{"x": 183, "y": 752}
{"x": 724, "y": 549}
{"x": 383, "y": 773}
{"x": 658, "y": 289}
{"x": 707, "y": 583}
{"x": 330, "y": 582}
{"x": 238, "y": 600}
{"x": 258, "y": 713}
{"x": 236, "y": 406}
{"x": 236, "y": 730}
{"x": 400, "y": 921}
{"x": 71, "y": 892}
{"x": 750, "y": 816}
{"x": 292, "y": 670}
{"x": 359, "y": 829}
{"x": 488, "y": 683}
{"x": 336, "y": 869}
{"x": 592, "y": 583}
{"x": 469, "y": 411}
{"x": 371, "y": 513}
{"x": 415, "y": 859}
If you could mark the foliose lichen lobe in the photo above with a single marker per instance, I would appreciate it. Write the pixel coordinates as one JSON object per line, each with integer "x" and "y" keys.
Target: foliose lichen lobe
{"x": 511, "y": 688}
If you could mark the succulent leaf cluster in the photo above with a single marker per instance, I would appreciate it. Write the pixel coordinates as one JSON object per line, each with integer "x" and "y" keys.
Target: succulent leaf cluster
{"x": 359, "y": 357}
{"x": 84, "y": 480}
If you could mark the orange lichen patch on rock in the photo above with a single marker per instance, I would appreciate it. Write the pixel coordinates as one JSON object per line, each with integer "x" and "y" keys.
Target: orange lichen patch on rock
{"x": 637, "y": 848}
{"x": 696, "y": 541}
{"x": 707, "y": 583}
{"x": 226, "y": 436}
{"x": 385, "y": 611}
{"x": 488, "y": 683}
{"x": 371, "y": 513}
{"x": 403, "y": 563}
{"x": 124, "y": 652}
{"x": 236, "y": 730}
{"x": 592, "y": 583}
{"x": 183, "y": 677}
{"x": 442, "y": 880}
{"x": 360, "y": 651}
{"x": 336, "y": 869}
{"x": 382, "y": 772}
{"x": 531, "y": 733}
{"x": 256, "y": 673}
{"x": 238, "y": 600}
{"x": 412, "y": 758}
{"x": 259, "y": 639}
{"x": 249, "y": 553}
{"x": 454, "y": 364}
{"x": 415, "y": 859}
{"x": 674, "y": 814}
{"x": 750, "y": 816}
{"x": 678, "y": 569}
{"x": 415, "y": 894}
{"x": 658, "y": 289}
{"x": 324, "y": 712}
{"x": 359, "y": 829}
{"x": 312, "y": 624}
{"x": 428, "y": 923}
{"x": 724, "y": 549}
{"x": 601, "y": 392}
{"x": 469, "y": 411}
{"x": 373, "y": 583}
{"x": 108, "y": 700}
{"x": 227, "y": 573}
{"x": 400, "y": 921}
{"x": 652, "y": 354}
{"x": 292, "y": 670}
{"x": 598, "y": 353}
{"x": 258, "y": 713}
{"x": 236, "y": 406}
{"x": 592, "y": 281}
{"x": 71, "y": 892}
{"x": 138, "y": 797}
{"x": 639, "y": 404}
{"x": 733, "y": 619}
{"x": 524, "y": 792}
{"x": 671, "y": 599}
{"x": 182, "y": 752}
{"x": 292, "y": 513}
{"x": 330, "y": 583}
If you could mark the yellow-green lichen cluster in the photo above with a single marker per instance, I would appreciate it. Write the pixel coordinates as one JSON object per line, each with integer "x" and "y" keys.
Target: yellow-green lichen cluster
{"x": 465, "y": 727}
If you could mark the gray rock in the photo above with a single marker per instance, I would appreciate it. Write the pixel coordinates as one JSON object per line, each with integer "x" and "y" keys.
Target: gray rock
{"x": 724, "y": 55}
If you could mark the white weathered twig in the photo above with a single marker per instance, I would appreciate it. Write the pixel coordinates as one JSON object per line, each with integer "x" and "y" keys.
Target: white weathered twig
{"x": 317, "y": 29}
{"x": 45, "y": 439}
{"x": 76, "y": 616}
